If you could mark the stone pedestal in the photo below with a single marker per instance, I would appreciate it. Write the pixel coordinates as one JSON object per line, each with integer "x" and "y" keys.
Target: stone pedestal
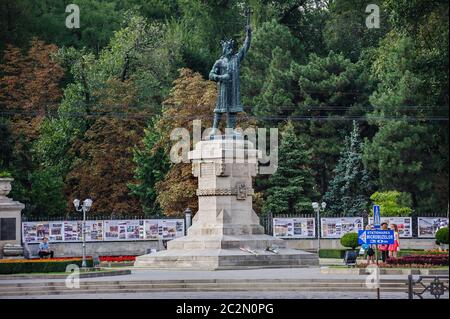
{"x": 225, "y": 233}
{"x": 10, "y": 219}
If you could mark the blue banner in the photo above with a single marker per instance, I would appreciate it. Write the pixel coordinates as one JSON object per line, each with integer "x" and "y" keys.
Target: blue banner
{"x": 376, "y": 237}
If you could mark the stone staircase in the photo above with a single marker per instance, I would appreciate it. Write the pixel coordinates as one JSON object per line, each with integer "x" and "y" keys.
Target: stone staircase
{"x": 197, "y": 285}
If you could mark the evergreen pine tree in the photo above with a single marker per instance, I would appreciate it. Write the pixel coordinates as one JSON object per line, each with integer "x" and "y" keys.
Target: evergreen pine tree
{"x": 266, "y": 77}
{"x": 331, "y": 88}
{"x": 291, "y": 187}
{"x": 348, "y": 191}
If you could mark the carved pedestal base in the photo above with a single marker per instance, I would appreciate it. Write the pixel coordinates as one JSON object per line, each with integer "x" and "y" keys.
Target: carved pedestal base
{"x": 225, "y": 233}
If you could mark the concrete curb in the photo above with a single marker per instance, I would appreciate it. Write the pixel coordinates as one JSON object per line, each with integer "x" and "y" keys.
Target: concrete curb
{"x": 116, "y": 264}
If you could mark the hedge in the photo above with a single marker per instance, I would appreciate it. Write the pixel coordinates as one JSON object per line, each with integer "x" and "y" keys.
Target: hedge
{"x": 332, "y": 253}
{"x": 39, "y": 266}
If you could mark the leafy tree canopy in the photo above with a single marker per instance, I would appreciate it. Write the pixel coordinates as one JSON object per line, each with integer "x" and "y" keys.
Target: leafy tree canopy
{"x": 392, "y": 203}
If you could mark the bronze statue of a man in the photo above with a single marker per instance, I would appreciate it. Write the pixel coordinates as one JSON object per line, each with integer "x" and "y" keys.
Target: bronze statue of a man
{"x": 226, "y": 72}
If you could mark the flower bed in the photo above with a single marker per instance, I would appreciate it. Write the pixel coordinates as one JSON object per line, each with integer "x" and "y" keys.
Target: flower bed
{"x": 408, "y": 252}
{"x": 433, "y": 260}
{"x": 396, "y": 266}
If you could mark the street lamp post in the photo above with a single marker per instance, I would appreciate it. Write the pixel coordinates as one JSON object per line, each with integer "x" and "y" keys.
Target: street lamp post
{"x": 85, "y": 207}
{"x": 317, "y": 208}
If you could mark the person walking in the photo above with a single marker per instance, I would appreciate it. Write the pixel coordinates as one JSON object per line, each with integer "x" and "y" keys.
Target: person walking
{"x": 395, "y": 247}
{"x": 369, "y": 252}
{"x": 384, "y": 249}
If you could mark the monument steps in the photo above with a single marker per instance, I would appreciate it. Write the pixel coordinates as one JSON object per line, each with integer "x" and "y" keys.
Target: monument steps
{"x": 55, "y": 288}
{"x": 61, "y": 283}
{"x": 211, "y": 259}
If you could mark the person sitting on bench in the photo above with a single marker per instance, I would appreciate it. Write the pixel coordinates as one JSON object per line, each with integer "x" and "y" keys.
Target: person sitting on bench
{"x": 44, "y": 249}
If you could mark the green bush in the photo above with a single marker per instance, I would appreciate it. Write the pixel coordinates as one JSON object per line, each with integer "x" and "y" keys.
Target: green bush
{"x": 332, "y": 253}
{"x": 5, "y": 174}
{"x": 442, "y": 236}
{"x": 39, "y": 266}
{"x": 350, "y": 240}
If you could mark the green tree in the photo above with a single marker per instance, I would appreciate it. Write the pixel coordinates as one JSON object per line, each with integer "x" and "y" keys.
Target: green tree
{"x": 277, "y": 90}
{"x": 51, "y": 150}
{"x": 305, "y": 19}
{"x": 331, "y": 89}
{"x": 151, "y": 9}
{"x": 47, "y": 194}
{"x": 132, "y": 74}
{"x": 392, "y": 203}
{"x": 348, "y": 191}
{"x": 291, "y": 189}
{"x": 408, "y": 151}
{"x": 345, "y": 29}
{"x": 103, "y": 166}
{"x": 400, "y": 155}
{"x": 192, "y": 97}
{"x": 151, "y": 166}
{"x": 98, "y": 20}
{"x": 6, "y": 144}
{"x": 17, "y": 21}
{"x": 267, "y": 83}
{"x": 412, "y": 70}
{"x": 201, "y": 24}
{"x": 29, "y": 92}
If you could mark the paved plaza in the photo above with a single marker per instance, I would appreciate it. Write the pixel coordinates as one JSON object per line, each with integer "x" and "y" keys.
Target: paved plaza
{"x": 271, "y": 276}
{"x": 226, "y": 295}
{"x": 250, "y": 274}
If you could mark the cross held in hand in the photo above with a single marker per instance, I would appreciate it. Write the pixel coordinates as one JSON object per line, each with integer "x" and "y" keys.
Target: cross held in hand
{"x": 248, "y": 12}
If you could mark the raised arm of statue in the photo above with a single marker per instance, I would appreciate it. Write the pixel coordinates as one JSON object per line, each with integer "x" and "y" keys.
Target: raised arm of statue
{"x": 243, "y": 51}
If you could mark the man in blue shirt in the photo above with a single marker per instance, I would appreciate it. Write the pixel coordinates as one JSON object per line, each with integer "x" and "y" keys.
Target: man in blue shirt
{"x": 44, "y": 249}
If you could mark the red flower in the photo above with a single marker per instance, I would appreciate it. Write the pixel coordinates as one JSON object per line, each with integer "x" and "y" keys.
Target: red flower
{"x": 117, "y": 258}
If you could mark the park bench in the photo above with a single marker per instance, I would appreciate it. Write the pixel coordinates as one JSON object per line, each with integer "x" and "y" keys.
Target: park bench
{"x": 29, "y": 254}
